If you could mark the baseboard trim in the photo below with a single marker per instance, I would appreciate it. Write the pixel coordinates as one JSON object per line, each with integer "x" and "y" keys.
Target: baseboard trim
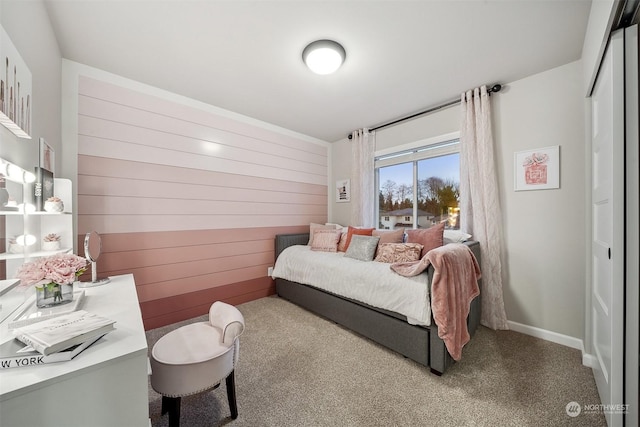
{"x": 588, "y": 360}
{"x": 547, "y": 335}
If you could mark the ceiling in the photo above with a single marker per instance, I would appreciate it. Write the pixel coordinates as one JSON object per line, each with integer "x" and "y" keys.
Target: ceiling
{"x": 245, "y": 56}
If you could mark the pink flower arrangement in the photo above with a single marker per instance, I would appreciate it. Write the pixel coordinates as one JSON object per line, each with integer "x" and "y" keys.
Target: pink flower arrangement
{"x": 62, "y": 269}
{"x": 535, "y": 159}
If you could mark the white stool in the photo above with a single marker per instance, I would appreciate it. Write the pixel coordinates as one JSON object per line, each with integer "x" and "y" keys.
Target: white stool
{"x": 196, "y": 358}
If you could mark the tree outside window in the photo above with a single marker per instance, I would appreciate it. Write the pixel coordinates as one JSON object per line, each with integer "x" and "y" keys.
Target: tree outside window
{"x": 420, "y": 193}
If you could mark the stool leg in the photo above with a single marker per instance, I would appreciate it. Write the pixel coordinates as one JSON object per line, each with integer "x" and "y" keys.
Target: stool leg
{"x": 171, "y": 405}
{"x": 231, "y": 394}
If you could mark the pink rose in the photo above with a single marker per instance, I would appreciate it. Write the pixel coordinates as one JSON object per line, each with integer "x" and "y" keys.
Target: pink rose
{"x": 60, "y": 268}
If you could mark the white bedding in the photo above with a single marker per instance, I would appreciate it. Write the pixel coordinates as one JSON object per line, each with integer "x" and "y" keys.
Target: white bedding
{"x": 372, "y": 283}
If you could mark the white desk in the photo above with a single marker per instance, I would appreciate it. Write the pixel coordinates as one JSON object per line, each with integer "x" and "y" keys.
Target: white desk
{"x": 106, "y": 385}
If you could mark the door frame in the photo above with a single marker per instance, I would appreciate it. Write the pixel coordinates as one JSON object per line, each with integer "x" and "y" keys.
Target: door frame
{"x": 632, "y": 225}
{"x": 610, "y": 386}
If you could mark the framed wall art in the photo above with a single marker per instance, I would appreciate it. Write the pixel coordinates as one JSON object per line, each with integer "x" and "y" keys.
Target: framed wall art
{"x": 537, "y": 169}
{"x": 343, "y": 190}
{"x": 15, "y": 89}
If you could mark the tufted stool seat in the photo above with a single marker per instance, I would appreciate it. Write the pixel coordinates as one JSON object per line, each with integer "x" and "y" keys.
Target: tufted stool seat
{"x": 196, "y": 358}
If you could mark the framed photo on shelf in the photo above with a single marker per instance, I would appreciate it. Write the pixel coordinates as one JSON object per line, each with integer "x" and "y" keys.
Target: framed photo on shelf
{"x": 47, "y": 156}
{"x": 43, "y": 187}
{"x": 537, "y": 169}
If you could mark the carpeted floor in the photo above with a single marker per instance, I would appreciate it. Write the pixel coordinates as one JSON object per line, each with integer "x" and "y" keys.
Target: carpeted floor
{"x": 298, "y": 369}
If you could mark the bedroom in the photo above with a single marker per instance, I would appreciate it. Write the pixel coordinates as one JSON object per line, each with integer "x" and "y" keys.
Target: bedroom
{"x": 538, "y": 110}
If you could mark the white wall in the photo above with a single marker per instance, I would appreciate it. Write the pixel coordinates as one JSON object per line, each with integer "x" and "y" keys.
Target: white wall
{"x": 28, "y": 26}
{"x": 544, "y": 230}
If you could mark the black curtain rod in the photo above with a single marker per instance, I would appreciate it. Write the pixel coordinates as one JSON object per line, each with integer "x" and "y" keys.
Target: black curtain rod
{"x": 494, "y": 88}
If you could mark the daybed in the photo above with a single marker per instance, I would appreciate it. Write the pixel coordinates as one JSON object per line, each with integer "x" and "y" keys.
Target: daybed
{"x": 418, "y": 342}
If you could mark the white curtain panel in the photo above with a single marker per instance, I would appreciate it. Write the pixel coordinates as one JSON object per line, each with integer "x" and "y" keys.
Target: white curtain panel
{"x": 481, "y": 215}
{"x": 362, "y": 178}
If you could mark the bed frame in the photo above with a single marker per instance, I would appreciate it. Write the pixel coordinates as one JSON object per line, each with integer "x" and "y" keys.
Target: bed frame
{"x": 419, "y": 343}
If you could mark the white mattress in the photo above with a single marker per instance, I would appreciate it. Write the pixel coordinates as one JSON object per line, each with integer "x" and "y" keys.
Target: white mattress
{"x": 373, "y": 283}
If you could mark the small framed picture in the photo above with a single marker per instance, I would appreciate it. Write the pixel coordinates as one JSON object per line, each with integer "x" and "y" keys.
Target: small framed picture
{"x": 47, "y": 156}
{"x": 537, "y": 169}
{"x": 343, "y": 190}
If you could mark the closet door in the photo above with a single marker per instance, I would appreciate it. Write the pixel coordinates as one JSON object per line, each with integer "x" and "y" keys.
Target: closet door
{"x": 607, "y": 246}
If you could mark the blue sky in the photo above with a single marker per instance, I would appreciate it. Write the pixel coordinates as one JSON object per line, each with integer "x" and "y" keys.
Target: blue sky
{"x": 445, "y": 167}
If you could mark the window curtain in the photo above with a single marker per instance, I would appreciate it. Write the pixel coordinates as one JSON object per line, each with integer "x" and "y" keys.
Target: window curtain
{"x": 362, "y": 178}
{"x": 481, "y": 215}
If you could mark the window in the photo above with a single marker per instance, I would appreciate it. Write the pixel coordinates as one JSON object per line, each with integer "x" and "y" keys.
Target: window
{"x": 419, "y": 187}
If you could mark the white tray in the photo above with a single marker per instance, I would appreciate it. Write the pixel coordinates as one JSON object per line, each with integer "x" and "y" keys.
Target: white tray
{"x": 28, "y": 313}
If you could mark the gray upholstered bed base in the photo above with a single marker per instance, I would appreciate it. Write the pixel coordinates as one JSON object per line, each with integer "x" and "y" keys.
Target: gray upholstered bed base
{"x": 389, "y": 329}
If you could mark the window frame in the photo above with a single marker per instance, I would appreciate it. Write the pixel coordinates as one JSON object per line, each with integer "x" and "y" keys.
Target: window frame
{"x": 412, "y": 153}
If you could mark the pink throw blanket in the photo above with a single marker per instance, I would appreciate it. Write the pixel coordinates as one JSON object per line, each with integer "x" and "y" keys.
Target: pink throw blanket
{"x": 454, "y": 286}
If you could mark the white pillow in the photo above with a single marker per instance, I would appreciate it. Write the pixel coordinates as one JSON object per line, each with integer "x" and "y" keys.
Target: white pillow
{"x": 455, "y": 236}
{"x": 337, "y": 226}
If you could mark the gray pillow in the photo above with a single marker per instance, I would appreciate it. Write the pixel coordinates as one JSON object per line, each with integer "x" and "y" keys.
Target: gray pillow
{"x": 362, "y": 247}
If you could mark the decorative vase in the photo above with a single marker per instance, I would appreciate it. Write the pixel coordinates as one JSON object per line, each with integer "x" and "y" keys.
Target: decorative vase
{"x": 51, "y": 246}
{"x": 50, "y": 206}
{"x": 15, "y": 248}
{"x": 53, "y": 294}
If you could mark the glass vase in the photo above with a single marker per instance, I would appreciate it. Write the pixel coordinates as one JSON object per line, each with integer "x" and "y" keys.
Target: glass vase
{"x": 53, "y": 294}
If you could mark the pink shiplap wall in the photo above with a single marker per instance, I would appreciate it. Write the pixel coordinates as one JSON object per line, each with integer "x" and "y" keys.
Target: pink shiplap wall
{"x": 189, "y": 200}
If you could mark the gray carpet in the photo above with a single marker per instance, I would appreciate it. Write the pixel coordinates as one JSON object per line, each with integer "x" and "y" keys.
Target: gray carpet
{"x": 298, "y": 369}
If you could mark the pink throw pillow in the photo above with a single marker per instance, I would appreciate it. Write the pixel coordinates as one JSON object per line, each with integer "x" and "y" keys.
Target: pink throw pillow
{"x": 325, "y": 240}
{"x": 313, "y": 227}
{"x": 429, "y": 238}
{"x": 342, "y": 244}
{"x": 390, "y": 236}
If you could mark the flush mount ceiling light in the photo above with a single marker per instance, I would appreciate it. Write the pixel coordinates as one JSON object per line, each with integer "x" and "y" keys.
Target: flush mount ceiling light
{"x": 323, "y": 56}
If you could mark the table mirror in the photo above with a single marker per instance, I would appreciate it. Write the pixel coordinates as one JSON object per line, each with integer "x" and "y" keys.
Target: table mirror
{"x": 92, "y": 249}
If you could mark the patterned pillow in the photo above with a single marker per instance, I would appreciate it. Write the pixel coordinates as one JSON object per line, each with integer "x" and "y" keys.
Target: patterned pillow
{"x": 325, "y": 240}
{"x": 429, "y": 238}
{"x": 398, "y": 252}
{"x": 313, "y": 227}
{"x": 362, "y": 247}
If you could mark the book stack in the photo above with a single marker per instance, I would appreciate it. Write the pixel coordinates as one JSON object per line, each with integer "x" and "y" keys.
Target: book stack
{"x": 54, "y": 340}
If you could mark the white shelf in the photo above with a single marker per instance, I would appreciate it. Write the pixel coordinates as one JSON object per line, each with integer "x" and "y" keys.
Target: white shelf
{"x": 36, "y": 254}
{"x": 38, "y": 224}
{"x": 18, "y": 213}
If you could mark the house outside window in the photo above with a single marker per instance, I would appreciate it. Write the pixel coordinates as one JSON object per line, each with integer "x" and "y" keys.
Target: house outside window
{"x": 419, "y": 187}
